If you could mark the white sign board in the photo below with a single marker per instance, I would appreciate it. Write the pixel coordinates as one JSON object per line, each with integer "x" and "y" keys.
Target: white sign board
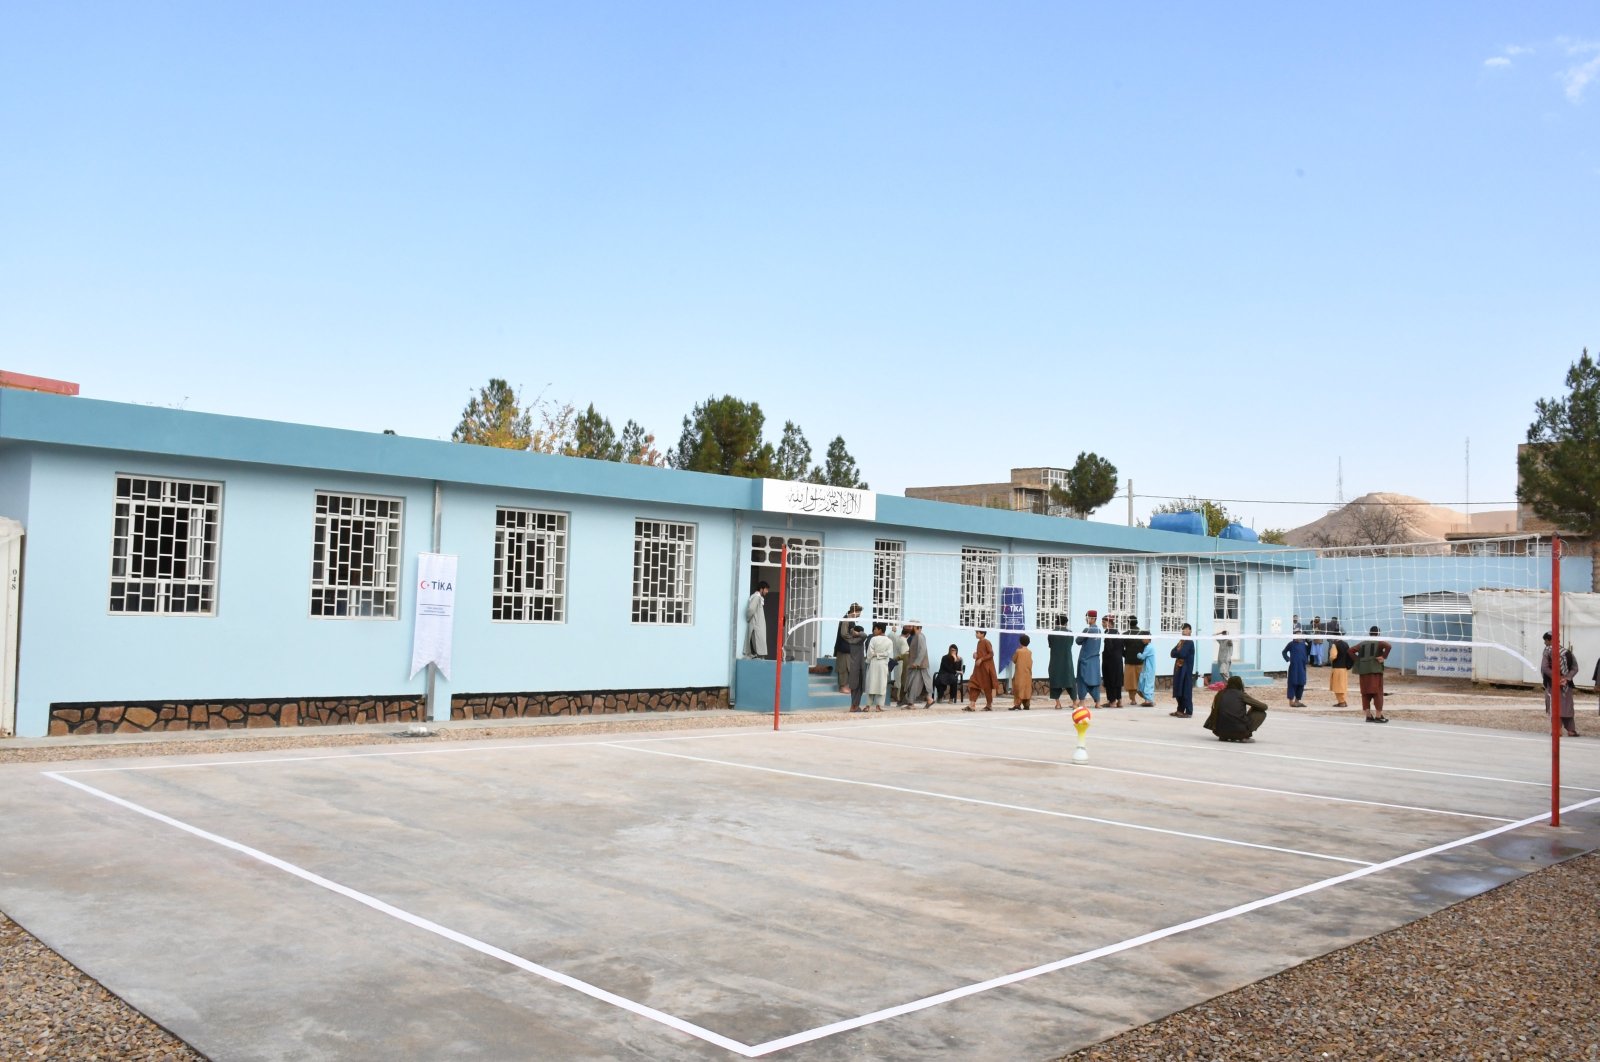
{"x": 1448, "y": 661}
{"x": 817, "y": 499}
{"x": 436, "y": 611}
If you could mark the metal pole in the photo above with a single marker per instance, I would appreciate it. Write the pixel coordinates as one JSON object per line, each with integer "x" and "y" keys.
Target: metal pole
{"x": 429, "y": 696}
{"x": 1130, "y": 502}
{"x": 1555, "y": 680}
{"x": 783, "y": 624}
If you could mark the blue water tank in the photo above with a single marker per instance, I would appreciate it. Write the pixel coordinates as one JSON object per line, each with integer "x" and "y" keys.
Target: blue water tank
{"x": 1187, "y": 522}
{"x": 1238, "y": 532}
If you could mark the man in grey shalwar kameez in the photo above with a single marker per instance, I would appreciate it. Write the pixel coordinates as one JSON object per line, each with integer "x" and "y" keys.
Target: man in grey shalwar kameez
{"x": 916, "y": 687}
{"x": 755, "y": 614}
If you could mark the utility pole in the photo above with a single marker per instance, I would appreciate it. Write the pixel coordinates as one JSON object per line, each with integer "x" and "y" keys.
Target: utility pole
{"x": 1130, "y": 502}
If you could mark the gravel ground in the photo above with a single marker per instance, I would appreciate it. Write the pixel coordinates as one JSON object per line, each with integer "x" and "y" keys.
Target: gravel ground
{"x": 1511, "y": 974}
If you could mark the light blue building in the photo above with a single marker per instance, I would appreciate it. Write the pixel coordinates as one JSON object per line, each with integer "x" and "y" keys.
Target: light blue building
{"x": 185, "y": 570}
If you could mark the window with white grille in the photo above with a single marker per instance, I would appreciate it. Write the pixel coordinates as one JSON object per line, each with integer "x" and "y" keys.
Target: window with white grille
{"x": 1054, "y": 607}
{"x": 530, "y": 566}
{"x": 663, "y": 572}
{"x": 355, "y": 557}
{"x": 980, "y": 581}
{"x": 1174, "y": 597}
{"x": 1225, "y": 598}
{"x": 888, "y": 579}
{"x": 1122, "y": 588}
{"x": 165, "y": 537}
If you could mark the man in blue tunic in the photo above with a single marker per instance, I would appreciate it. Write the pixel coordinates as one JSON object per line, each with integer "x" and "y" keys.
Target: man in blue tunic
{"x": 1297, "y": 652}
{"x": 1089, "y": 646}
{"x": 1183, "y": 673}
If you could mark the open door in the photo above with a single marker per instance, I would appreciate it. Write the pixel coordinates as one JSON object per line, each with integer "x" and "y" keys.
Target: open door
{"x": 10, "y": 599}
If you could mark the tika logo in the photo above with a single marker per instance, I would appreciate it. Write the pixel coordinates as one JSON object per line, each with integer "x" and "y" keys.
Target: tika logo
{"x": 436, "y": 584}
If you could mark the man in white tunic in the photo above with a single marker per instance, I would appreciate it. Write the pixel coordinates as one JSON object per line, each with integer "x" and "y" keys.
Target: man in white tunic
{"x": 879, "y": 649}
{"x": 755, "y": 615}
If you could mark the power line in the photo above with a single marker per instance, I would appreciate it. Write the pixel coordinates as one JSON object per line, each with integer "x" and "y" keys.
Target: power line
{"x": 1325, "y": 504}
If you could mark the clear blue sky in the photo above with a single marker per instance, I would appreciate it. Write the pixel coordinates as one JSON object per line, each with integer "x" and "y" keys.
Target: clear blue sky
{"x": 1224, "y": 245}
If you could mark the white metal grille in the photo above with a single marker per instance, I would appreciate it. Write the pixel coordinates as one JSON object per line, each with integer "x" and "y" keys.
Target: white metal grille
{"x": 530, "y": 566}
{"x": 355, "y": 557}
{"x": 165, "y": 537}
{"x": 1174, "y": 597}
{"x": 1122, "y": 588}
{"x": 888, "y": 579}
{"x": 663, "y": 572}
{"x": 980, "y": 580}
{"x": 1054, "y": 607}
{"x": 1225, "y": 598}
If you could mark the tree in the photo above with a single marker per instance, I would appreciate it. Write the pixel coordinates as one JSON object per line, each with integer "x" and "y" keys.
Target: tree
{"x": 1558, "y": 472}
{"x": 792, "y": 460}
{"x": 839, "y": 468}
{"x": 723, "y": 435}
{"x": 554, "y": 435}
{"x": 1091, "y": 482}
{"x": 1275, "y": 536}
{"x": 638, "y": 447}
{"x": 593, "y": 436}
{"x": 1216, "y": 514}
{"x": 495, "y": 417}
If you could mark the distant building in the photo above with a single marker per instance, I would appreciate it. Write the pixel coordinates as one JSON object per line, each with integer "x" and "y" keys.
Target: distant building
{"x": 1027, "y": 492}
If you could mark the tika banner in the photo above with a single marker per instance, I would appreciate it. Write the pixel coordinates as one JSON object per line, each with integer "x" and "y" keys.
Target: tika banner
{"x": 436, "y": 612}
{"x": 1012, "y": 618}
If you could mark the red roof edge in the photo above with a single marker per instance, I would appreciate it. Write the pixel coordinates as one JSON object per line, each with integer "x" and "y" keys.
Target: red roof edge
{"x": 23, "y": 382}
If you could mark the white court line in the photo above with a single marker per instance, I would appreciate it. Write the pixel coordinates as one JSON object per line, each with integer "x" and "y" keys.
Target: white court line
{"x": 1304, "y": 759}
{"x": 1134, "y": 942}
{"x": 1165, "y": 777}
{"x": 995, "y": 804}
{"x": 422, "y": 923}
{"x": 819, "y": 1032}
{"x": 1357, "y": 763}
{"x": 537, "y": 744}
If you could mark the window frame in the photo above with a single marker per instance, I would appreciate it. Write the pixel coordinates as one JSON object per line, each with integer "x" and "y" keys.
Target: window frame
{"x": 1122, "y": 588}
{"x": 684, "y": 598}
{"x": 976, "y": 562}
{"x": 1053, "y": 584}
{"x": 122, "y": 531}
{"x": 392, "y": 553}
{"x": 503, "y": 600}
{"x": 1174, "y": 575}
{"x": 888, "y": 574}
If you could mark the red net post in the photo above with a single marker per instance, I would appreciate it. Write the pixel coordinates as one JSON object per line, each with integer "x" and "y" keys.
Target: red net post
{"x": 783, "y": 623}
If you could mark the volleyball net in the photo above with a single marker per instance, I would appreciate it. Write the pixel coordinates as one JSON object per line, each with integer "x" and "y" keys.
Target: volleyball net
{"x": 1475, "y": 609}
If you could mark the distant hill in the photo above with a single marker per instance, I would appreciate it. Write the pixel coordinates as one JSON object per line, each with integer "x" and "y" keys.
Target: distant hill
{"x": 1381, "y": 517}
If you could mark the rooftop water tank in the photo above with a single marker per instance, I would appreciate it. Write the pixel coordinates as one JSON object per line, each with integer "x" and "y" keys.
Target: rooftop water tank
{"x": 1188, "y": 522}
{"x": 1239, "y": 533}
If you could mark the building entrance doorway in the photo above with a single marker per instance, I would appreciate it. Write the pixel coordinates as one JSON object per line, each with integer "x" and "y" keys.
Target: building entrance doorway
{"x": 803, "y": 600}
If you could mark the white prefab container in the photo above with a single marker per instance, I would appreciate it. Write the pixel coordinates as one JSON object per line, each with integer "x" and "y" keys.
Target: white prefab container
{"x": 11, "y": 568}
{"x": 1519, "y": 619}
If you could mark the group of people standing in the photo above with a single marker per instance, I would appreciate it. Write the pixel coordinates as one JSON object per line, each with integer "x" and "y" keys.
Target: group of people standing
{"x": 884, "y": 667}
{"x": 1366, "y": 660}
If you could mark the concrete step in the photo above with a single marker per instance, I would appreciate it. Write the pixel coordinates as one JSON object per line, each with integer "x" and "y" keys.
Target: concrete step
{"x": 1251, "y": 676}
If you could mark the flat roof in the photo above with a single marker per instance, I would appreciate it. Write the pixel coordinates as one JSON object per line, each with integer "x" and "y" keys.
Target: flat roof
{"x": 55, "y": 420}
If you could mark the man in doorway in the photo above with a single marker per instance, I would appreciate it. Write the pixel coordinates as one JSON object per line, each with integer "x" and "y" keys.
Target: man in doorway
{"x": 755, "y": 616}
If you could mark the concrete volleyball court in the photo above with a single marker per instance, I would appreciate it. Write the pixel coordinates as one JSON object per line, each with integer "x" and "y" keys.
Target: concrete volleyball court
{"x": 913, "y": 885}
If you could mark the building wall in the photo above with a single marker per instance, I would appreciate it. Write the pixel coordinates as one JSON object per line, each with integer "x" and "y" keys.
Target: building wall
{"x": 262, "y": 659}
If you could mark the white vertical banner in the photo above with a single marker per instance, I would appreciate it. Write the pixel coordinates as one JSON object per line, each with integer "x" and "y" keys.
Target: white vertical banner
{"x": 436, "y": 611}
